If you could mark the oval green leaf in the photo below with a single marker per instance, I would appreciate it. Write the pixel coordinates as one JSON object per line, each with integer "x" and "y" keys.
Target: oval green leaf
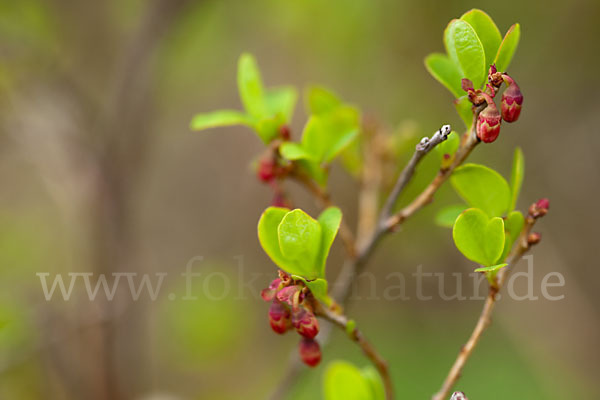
{"x": 282, "y": 101}
{"x": 343, "y": 381}
{"x": 219, "y": 118}
{"x": 250, "y": 87}
{"x": 447, "y": 215}
{"x": 482, "y": 187}
{"x": 508, "y": 47}
{"x": 478, "y": 237}
{"x": 487, "y": 31}
{"x": 513, "y": 225}
{"x": 466, "y": 51}
{"x": 300, "y": 238}
{"x": 320, "y": 100}
{"x": 446, "y": 72}
{"x": 330, "y": 221}
{"x": 516, "y": 176}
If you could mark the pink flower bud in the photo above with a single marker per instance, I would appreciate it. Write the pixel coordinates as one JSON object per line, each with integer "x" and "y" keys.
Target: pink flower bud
{"x": 267, "y": 169}
{"x": 543, "y": 203}
{"x": 286, "y": 295}
{"x": 269, "y": 293}
{"x": 539, "y": 208}
{"x": 305, "y": 322}
{"x": 534, "y": 238}
{"x": 310, "y": 352}
{"x": 488, "y": 122}
{"x": 279, "y": 317}
{"x": 512, "y": 100}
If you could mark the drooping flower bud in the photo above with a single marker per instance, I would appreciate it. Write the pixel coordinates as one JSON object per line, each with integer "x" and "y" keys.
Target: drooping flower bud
{"x": 539, "y": 208}
{"x": 287, "y": 294}
{"x": 267, "y": 169}
{"x": 512, "y": 100}
{"x": 305, "y": 322}
{"x": 310, "y": 352}
{"x": 279, "y": 317}
{"x": 488, "y": 121}
{"x": 269, "y": 293}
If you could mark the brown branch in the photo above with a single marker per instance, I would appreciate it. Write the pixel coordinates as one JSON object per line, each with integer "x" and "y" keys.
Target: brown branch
{"x": 367, "y": 348}
{"x": 523, "y": 245}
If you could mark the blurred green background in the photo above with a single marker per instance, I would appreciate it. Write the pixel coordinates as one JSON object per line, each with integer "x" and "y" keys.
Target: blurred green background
{"x": 101, "y": 174}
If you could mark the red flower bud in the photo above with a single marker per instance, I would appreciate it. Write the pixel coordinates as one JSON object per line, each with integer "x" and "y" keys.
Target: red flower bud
{"x": 269, "y": 293}
{"x": 534, "y": 238}
{"x": 286, "y": 295}
{"x": 267, "y": 169}
{"x": 512, "y": 100}
{"x": 279, "y": 317}
{"x": 305, "y": 323}
{"x": 539, "y": 208}
{"x": 284, "y": 132}
{"x": 310, "y": 352}
{"x": 488, "y": 121}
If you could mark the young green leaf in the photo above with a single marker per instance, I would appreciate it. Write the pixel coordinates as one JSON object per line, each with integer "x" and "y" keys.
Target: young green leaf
{"x": 282, "y": 101}
{"x": 464, "y": 107}
{"x": 299, "y": 237}
{"x": 513, "y": 225}
{"x": 487, "y": 31}
{"x": 508, "y": 47}
{"x": 330, "y": 221}
{"x": 447, "y": 215}
{"x": 294, "y": 151}
{"x": 375, "y": 382}
{"x": 491, "y": 268}
{"x": 478, "y": 237}
{"x": 343, "y": 381}
{"x": 318, "y": 287}
{"x": 446, "y": 72}
{"x": 250, "y": 87}
{"x": 320, "y": 100}
{"x": 483, "y": 188}
{"x": 466, "y": 51}
{"x": 326, "y": 135}
{"x": 516, "y": 176}
{"x": 269, "y": 240}
{"x": 219, "y": 118}
{"x": 268, "y": 128}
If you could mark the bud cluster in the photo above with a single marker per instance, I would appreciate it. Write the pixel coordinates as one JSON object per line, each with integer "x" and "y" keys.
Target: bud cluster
{"x": 489, "y": 120}
{"x": 291, "y": 308}
{"x": 537, "y": 210}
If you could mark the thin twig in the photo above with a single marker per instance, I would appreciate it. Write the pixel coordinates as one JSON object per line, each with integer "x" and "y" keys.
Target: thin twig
{"x": 357, "y": 336}
{"x": 485, "y": 317}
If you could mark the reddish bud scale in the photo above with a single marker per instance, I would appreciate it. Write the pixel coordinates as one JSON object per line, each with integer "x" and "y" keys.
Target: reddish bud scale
{"x": 488, "y": 122}
{"x": 310, "y": 352}
{"x": 269, "y": 293}
{"x": 512, "y": 100}
{"x": 305, "y": 322}
{"x": 279, "y": 317}
{"x": 267, "y": 169}
{"x": 284, "y": 132}
{"x": 539, "y": 208}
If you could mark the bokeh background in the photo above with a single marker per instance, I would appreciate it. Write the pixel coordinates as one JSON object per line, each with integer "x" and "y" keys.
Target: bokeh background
{"x": 101, "y": 174}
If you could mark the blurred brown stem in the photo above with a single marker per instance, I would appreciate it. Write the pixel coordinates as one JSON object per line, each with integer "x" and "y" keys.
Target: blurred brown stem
{"x": 486, "y": 314}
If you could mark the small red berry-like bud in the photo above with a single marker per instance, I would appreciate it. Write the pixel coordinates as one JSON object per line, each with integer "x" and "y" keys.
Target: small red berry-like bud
{"x": 539, "y": 208}
{"x": 285, "y": 132}
{"x": 279, "y": 317}
{"x": 310, "y": 352}
{"x": 305, "y": 322}
{"x": 534, "y": 238}
{"x": 488, "y": 121}
{"x": 512, "y": 100}
{"x": 269, "y": 293}
{"x": 267, "y": 169}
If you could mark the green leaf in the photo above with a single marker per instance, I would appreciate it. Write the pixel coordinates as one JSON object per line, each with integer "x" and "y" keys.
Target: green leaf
{"x": 250, "y": 87}
{"x": 318, "y": 287}
{"x": 320, "y": 100}
{"x": 343, "y": 381}
{"x": 508, "y": 47}
{"x": 219, "y": 118}
{"x": 294, "y": 151}
{"x": 446, "y": 72}
{"x": 269, "y": 239}
{"x": 330, "y": 221}
{"x": 478, "y": 237}
{"x": 268, "y": 128}
{"x": 516, "y": 176}
{"x": 483, "y": 188}
{"x": 513, "y": 225}
{"x": 487, "y": 31}
{"x": 326, "y": 135}
{"x": 491, "y": 268}
{"x": 375, "y": 382}
{"x": 464, "y": 107}
{"x": 466, "y": 51}
{"x": 447, "y": 215}
{"x": 282, "y": 101}
{"x": 300, "y": 239}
